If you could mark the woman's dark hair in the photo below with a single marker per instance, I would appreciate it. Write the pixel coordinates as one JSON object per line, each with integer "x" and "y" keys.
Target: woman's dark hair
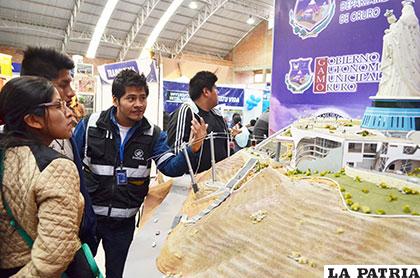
{"x": 202, "y": 79}
{"x": 128, "y": 78}
{"x": 236, "y": 119}
{"x": 18, "y": 98}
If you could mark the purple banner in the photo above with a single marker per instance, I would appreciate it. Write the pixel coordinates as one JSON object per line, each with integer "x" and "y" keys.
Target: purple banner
{"x": 326, "y": 57}
{"x": 175, "y": 93}
{"x": 111, "y": 70}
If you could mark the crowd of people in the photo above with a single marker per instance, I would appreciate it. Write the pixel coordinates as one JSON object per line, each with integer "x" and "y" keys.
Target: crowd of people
{"x": 66, "y": 188}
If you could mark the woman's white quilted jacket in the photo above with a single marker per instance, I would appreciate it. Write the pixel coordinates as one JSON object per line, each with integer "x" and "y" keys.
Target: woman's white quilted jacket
{"x": 48, "y": 205}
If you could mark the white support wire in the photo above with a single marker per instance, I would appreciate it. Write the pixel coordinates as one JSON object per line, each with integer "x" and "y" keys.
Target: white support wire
{"x": 220, "y": 135}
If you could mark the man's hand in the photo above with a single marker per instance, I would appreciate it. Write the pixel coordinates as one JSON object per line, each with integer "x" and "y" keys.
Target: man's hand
{"x": 198, "y": 132}
{"x": 235, "y": 130}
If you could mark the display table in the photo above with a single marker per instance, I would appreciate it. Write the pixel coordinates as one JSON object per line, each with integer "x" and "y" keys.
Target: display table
{"x": 147, "y": 242}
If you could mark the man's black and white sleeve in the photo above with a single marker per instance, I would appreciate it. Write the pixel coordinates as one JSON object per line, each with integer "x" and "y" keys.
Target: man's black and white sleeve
{"x": 179, "y": 127}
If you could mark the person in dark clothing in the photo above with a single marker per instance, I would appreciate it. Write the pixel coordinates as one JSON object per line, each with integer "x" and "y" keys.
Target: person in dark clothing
{"x": 165, "y": 120}
{"x": 251, "y": 125}
{"x": 236, "y": 123}
{"x": 261, "y": 127}
{"x": 204, "y": 95}
{"x": 56, "y": 67}
{"x": 236, "y": 120}
{"x": 117, "y": 146}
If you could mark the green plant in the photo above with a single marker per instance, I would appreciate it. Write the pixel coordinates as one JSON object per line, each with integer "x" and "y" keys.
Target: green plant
{"x": 383, "y": 185}
{"x": 365, "y": 190}
{"x": 380, "y": 211}
{"x": 408, "y": 190}
{"x": 415, "y": 172}
{"x": 406, "y": 209}
{"x": 365, "y": 209}
{"x": 364, "y": 133}
{"x": 391, "y": 198}
{"x": 355, "y": 207}
{"x": 357, "y": 179}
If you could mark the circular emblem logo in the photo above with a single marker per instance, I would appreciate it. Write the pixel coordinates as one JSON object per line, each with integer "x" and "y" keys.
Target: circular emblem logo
{"x": 138, "y": 154}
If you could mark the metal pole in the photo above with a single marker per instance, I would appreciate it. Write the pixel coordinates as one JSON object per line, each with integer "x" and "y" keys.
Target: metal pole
{"x": 278, "y": 148}
{"x": 190, "y": 169}
{"x": 213, "y": 159}
{"x": 228, "y": 144}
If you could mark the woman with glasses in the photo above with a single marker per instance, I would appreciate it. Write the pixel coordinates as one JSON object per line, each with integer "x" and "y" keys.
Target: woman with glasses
{"x": 39, "y": 187}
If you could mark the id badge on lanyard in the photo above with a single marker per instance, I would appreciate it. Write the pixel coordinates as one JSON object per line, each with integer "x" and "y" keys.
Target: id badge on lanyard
{"x": 121, "y": 176}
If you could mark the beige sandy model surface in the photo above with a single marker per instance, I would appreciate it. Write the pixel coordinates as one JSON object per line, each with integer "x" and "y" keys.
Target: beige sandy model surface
{"x": 273, "y": 226}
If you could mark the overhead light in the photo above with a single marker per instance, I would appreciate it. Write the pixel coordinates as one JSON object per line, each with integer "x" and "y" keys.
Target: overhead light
{"x": 100, "y": 28}
{"x": 159, "y": 27}
{"x": 250, "y": 20}
{"x": 193, "y": 5}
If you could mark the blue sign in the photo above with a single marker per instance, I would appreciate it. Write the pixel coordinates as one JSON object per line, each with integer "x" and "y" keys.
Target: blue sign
{"x": 111, "y": 70}
{"x": 16, "y": 67}
{"x": 108, "y": 72}
{"x": 175, "y": 93}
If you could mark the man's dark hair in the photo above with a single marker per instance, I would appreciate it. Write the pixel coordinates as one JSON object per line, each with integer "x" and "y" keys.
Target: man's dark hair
{"x": 45, "y": 62}
{"x": 128, "y": 78}
{"x": 202, "y": 79}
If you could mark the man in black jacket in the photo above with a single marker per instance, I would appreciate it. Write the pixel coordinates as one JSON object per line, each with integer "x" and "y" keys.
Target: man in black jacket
{"x": 204, "y": 95}
{"x": 117, "y": 146}
{"x": 56, "y": 67}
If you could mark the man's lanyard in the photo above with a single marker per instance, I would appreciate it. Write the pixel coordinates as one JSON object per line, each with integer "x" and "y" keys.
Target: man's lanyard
{"x": 121, "y": 173}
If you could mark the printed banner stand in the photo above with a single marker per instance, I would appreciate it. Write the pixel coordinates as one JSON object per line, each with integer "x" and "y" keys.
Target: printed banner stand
{"x": 5, "y": 65}
{"x": 175, "y": 93}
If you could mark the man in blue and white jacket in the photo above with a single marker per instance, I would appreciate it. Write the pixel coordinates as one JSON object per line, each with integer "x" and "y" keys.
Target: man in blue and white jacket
{"x": 117, "y": 146}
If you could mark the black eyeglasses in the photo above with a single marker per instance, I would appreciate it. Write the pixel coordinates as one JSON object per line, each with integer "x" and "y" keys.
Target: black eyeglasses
{"x": 58, "y": 104}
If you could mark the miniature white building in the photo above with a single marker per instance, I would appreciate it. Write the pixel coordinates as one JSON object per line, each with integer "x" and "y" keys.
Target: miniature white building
{"x": 320, "y": 148}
